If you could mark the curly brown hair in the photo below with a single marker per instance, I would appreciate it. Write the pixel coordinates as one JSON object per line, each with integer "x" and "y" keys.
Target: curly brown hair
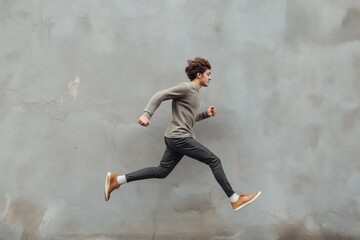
{"x": 198, "y": 65}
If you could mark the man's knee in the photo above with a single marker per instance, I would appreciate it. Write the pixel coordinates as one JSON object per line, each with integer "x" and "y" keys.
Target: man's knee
{"x": 214, "y": 162}
{"x": 162, "y": 172}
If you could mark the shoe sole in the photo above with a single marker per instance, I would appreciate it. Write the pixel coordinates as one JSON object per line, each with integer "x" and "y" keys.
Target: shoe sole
{"x": 107, "y": 184}
{"x": 245, "y": 204}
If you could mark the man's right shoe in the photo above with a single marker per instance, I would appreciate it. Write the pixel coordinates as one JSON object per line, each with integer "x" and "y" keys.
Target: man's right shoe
{"x": 244, "y": 200}
{"x": 110, "y": 184}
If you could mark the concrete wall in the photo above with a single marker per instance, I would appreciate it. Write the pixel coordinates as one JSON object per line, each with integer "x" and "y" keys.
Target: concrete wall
{"x": 76, "y": 75}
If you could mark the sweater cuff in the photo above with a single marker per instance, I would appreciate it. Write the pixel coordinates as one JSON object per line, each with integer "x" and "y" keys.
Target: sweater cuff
{"x": 147, "y": 114}
{"x": 202, "y": 116}
{"x": 206, "y": 115}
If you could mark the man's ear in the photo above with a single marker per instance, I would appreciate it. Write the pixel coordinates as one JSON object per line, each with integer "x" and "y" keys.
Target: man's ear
{"x": 199, "y": 75}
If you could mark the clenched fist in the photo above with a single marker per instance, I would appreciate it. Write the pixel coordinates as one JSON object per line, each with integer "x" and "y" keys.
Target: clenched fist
{"x": 144, "y": 121}
{"x": 211, "y": 111}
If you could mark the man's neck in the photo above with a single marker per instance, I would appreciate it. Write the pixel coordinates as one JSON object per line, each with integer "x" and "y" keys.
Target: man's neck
{"x": 196, "y": 83}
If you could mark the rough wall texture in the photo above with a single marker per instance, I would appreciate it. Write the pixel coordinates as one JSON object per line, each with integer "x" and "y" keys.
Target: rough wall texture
{"x": 76, "y": 75}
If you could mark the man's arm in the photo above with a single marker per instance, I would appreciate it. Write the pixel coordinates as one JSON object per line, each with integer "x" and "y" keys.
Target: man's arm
{"x": 211, "y": 112}
{"x": 156, "y": 100}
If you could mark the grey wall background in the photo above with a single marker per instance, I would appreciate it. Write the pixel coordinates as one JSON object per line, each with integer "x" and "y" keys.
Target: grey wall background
{"x": 76, "y": 75}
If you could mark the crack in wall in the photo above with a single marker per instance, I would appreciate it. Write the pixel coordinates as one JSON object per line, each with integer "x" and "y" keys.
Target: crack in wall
{"x": 153, "y": 237}
{"x": 51, "y": 107}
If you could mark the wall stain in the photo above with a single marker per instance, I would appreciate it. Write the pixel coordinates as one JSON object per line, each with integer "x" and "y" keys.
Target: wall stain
{"x": 26, "y": 214}
{"x": 198, "y": 204}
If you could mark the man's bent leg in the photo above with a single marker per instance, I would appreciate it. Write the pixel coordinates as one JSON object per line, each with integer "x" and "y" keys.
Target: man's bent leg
{"x": 192, "y": 148}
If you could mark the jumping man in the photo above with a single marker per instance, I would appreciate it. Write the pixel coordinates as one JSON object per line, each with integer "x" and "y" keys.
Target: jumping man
{"x": 179, "y": 136}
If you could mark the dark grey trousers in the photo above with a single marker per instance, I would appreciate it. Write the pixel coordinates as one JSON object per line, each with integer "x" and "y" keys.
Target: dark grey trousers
{"x": 176, "y": 148}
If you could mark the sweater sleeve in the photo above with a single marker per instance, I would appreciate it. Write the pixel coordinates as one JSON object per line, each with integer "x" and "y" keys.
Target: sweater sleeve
{"x": 202, "y": 116}
{"x": 177, "y": 91}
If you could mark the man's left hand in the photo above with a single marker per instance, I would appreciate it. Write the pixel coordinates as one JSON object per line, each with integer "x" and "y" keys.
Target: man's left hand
{"x": 211, "y": 111}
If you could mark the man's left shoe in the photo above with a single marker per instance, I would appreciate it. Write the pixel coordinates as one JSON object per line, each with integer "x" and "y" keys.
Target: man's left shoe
{"x": 110, "y": 184}
{"x": 244, "y": 200}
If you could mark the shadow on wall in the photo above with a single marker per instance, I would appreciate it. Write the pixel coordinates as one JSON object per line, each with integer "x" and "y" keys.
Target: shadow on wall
{"x": 298, "y": 231}
{"x": 300, "y": 19}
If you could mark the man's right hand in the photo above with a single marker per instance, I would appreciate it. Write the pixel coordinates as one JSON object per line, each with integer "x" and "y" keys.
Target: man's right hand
{"x": 144, "y": 121}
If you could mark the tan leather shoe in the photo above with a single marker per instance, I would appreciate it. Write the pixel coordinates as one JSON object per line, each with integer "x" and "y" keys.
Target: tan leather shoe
{"x": 244, "y": 200}
{"x": 110, "y": 184}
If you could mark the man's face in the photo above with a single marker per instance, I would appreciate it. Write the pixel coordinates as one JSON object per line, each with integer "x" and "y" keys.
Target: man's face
{"x": 205, "y": 78}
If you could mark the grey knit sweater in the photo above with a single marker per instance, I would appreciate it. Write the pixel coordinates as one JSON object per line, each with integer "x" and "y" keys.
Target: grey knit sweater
{"x": 185, "y": 105}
